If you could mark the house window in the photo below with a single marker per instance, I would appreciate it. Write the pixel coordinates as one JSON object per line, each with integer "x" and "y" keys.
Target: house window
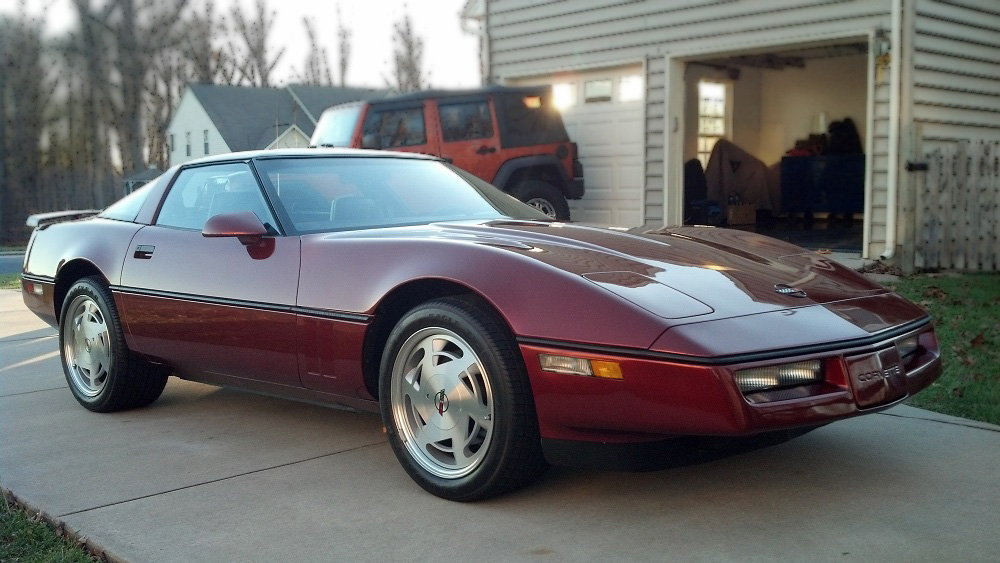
{"x": 713, "y": 117}
{"x": 172, "y": 145}
{"x": 206, "y": 141}
{"x": 564, "y": 95}
{"x": 187, "y": 138}
{"x": 630, "y": 88}
{"x": 597, "y": 91}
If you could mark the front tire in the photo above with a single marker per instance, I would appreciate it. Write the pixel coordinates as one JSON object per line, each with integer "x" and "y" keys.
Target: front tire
{"x": 456, "y": 402}
{"x": 543, "y": 197}
{"x": 103, "y": 374}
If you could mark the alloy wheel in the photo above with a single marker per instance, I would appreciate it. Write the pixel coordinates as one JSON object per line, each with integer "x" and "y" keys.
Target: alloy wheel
{"x": 442, "y": 403}
{"x": 87, "y": 346}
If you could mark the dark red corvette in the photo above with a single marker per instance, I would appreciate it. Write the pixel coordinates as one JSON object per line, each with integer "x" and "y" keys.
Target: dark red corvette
{"x": 492, "y": 338}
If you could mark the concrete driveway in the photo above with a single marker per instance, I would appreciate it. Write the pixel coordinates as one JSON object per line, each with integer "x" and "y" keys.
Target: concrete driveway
{"x": 207, "y": 474}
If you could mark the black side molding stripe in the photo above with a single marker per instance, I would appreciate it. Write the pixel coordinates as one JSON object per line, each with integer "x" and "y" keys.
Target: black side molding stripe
{"x": 325, "y": 314}
{"x": 874, "y": 341}
{"x": 39, "y": 279}
{"x": 307, "y": 311}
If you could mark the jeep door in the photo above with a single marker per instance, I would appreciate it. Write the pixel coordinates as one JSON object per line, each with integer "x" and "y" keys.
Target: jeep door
{"x": 468, "y": 136}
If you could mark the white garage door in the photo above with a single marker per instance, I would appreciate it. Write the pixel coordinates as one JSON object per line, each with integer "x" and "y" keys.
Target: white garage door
{"x": 602, "y": 111}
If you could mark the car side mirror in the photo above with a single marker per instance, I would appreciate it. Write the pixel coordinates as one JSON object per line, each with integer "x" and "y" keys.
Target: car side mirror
{"x": 243, "y": 225}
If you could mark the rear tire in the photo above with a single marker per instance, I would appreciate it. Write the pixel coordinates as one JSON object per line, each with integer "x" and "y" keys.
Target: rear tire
{"x": 456, "y": 402}
{"x": 543, "y": 197}
{"x": 103, "y": 374}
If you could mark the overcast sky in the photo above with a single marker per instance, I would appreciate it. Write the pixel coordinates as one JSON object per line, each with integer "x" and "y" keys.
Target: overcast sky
{"x": 451, "y": 57}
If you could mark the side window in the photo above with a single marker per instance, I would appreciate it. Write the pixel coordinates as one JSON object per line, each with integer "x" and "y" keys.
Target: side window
{"x": 394, "y": 128}
{"x": 200, "y": 193}
{"x": 466, "y": 121}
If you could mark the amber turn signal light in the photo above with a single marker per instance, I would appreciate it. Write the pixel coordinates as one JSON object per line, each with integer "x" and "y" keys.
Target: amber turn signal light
{"x": 569, "y": 365}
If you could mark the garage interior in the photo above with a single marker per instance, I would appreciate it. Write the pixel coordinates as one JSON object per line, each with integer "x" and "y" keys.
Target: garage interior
{"x": 767, "y": 146}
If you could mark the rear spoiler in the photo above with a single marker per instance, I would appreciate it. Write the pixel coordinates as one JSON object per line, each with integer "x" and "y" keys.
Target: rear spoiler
{"x": 42, "y": 220}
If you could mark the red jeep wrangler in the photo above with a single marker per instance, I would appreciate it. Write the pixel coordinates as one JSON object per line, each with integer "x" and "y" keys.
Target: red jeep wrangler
{"x": 511, "y": 137}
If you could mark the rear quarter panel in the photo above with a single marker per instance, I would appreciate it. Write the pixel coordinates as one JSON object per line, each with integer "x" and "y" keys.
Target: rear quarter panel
{"x": 102, "y": 243}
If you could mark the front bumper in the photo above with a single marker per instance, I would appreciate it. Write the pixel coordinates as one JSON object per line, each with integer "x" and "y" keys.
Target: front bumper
{"x": 660, "y": 399}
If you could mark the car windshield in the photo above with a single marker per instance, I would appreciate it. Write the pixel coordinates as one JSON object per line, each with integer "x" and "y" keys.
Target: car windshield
{"x": 340, "y": 193}
{"x": 336, "y": 126}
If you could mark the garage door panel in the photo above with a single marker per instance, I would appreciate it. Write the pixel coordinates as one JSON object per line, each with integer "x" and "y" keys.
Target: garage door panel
{"x": 629, "y": 179}
{"x": 610, "y": 141}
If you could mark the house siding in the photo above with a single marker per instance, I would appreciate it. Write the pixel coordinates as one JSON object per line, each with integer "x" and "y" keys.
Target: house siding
{"x": 540, "y": 37}
{"x": 192, "y": 118}
{"x": 956, "y": 71}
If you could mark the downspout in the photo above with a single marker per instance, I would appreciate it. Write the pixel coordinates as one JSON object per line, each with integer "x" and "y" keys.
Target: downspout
{"x": 892, "y": 187}
{"x": 483, "y": 33}
{"x": 866, "y": 236}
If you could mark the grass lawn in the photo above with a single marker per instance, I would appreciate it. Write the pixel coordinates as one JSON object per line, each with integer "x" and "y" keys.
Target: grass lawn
{"x": 966, "y": 312}
{"x": 10, "y": 281}
{"x": 24, "y": 539}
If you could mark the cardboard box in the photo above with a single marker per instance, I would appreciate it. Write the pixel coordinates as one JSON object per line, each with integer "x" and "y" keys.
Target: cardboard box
{"x": 741, "y": 214}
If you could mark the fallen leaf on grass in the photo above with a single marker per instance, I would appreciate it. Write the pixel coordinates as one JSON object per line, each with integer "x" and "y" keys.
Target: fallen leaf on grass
{"x": 958, "y": 392}
{"x": 968, "y": 360}
{"x": 978, "y": 341}
{"x": 935, "y": 292}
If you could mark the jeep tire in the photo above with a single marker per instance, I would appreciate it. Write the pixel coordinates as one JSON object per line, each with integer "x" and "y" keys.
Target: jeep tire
{"x": 544, "y": 197}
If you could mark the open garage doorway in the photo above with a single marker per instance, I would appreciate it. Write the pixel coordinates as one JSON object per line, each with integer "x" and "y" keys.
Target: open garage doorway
{"x": 779, "y": 141}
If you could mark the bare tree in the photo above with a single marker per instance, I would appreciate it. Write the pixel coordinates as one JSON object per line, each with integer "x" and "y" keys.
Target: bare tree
{"x": 209, "y": 64}
{"x": 408, "y": 54}
{"x": 24, "y": 98}
{"x": 134, "y": 32}
{"x": 343, "y": 47}
{"x": 255, "y": 65}
{"x": 316, "y": 71}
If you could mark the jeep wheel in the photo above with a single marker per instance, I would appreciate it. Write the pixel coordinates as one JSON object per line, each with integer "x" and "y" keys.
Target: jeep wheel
{"x": 543, "y": 197}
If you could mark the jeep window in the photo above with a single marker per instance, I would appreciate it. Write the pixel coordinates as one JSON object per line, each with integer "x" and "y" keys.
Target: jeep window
{"x": 466, "y": 121}
{"x": 386, "y": 129}
{"x": 336, "y": 126}
{"x": 529, "y": 118}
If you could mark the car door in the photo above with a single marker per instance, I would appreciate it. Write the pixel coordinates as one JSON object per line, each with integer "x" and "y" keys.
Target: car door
{"x": 468, "y": 138}
{"x": 399, "y": 126}
{"x": 213, "y": 305}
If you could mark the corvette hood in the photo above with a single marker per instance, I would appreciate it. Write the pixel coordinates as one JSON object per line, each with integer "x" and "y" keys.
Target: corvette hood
{"x": 684, "y": 272}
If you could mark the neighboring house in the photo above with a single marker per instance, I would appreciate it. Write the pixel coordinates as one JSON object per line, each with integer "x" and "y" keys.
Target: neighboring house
{"x": 140, "y": 178}
{"x": 648, "y": 85}
{"x": 213, "y": 119}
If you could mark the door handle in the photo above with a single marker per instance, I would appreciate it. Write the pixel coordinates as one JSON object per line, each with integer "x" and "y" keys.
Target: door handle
{"x": 486, "y": 150}
{"x": 144, "y": 251}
